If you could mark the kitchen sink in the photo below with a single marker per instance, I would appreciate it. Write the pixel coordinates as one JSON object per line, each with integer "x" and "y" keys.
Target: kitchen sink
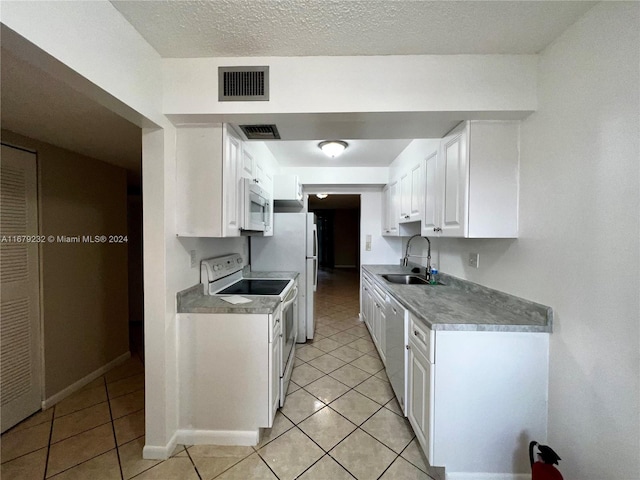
{"x": 406, "y": 279}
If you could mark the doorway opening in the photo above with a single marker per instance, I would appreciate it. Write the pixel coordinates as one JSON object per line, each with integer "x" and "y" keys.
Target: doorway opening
{"x": 338, "y": 223}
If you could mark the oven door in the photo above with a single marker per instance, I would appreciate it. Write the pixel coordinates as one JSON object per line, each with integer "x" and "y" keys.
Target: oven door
{"x": 290, "y": 330}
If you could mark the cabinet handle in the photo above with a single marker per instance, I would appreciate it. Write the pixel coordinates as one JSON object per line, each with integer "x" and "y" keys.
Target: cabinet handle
{"x": 407, "y": 347}
{"x": 415, "y": 332}
{"x": 366, "y": 289}
{"x": 277, "y": 321}
{"x": 406, "y": 216}
{"x": 394, "y": 311}
{"x": 437, "y": 229}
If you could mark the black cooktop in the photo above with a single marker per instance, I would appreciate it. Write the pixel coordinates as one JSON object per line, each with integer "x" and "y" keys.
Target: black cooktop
{"x": 249, "y": 286}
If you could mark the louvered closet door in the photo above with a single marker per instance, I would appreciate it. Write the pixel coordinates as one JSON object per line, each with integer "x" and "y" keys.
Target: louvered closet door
{"x": 20, "y": 367}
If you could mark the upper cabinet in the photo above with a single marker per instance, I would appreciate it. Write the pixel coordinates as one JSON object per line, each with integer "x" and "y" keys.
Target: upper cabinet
{"x": 471, "y": 184}
{"x": 209, "y": 190}
{"x": 464, "y": 185}
{"x": 411, "y": 193}
{"x": 390, "y": 210}
{"x": 212, "y": 163}
{"x": 287, "y": 190}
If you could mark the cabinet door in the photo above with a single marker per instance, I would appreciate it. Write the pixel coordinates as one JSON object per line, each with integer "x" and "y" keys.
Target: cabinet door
{"x": 416, "y": 195}
{"x": 232, "y": 184}
{"x": 382, "y": 333}
{"x": 247, "y": 164}
{"x": 419, "y": 397}
{"x": 430, "y": 217}
{"x": 405, "y": 197}
{"x": 275, "y": 360}
{"x": 259, "y": 174}
{"x": 368, "y": 308}
{"x": 394, "y": 208}
{"x": 454, "y": 175}
{"x": 385, "y": 211}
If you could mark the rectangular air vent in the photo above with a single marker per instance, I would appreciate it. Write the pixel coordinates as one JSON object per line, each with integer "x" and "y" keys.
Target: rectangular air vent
{"x": 260, "y": 132}
{"x": 243, "y": 84}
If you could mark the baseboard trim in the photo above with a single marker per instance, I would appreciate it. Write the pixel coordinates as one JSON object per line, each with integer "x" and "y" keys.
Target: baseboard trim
{"x": 486, "y": 476}
{"x": 218, "y": 437}
{"x": 52, "y": 400}
{"x": 151, "y": 452}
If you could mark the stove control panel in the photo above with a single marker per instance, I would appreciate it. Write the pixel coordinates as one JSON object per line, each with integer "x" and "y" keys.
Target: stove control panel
{"x": 212, "y": 269}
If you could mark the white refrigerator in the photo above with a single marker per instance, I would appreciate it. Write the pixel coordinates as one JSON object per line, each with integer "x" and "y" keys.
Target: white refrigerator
{"x": 292, "y": 248}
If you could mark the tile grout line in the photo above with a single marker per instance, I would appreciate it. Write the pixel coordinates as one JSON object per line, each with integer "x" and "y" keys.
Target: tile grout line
{"x": 113, "y": 430}
{"x": 195, "y": 467}
{"x": 46, "y": 464}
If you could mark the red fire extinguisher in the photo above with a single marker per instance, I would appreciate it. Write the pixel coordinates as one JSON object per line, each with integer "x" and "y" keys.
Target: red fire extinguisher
{"x": 543, "y": 468}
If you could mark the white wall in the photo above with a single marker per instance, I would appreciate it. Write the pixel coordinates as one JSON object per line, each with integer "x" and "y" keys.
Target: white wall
{"x": 578, "y": 248}
{"x": 90, "y": 46}
{"x": 339, "y": 175}
{"x": 437, "y": 83}
{"x": 384, "y": 250}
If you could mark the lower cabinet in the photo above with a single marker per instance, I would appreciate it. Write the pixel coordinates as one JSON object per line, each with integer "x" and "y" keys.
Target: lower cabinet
{"x": 470, "y": 389}
{"x": 374, "y": 315}
{"x": 228, "y": 375}
{"x": 275, "y": 362}
{"x": 420, "y": 378}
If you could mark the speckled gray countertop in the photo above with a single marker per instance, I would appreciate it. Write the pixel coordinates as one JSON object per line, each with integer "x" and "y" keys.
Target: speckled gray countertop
{"x": 193, "y": 300}
{"x": 463, "y": 305}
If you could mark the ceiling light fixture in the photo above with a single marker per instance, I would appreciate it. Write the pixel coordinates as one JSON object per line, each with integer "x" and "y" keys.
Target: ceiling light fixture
{"x": 333, "y": 148}
{"x": 322, "y": 196}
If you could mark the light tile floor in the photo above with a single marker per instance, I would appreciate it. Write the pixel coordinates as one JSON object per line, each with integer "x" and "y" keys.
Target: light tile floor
{"x": 340, "y": 420}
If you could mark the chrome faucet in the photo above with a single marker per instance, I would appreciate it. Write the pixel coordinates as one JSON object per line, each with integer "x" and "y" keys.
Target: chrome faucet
{"x": 405, "y": 259}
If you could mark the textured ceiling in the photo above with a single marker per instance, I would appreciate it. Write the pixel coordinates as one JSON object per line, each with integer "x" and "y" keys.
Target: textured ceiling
{"x": 234, "y": 28}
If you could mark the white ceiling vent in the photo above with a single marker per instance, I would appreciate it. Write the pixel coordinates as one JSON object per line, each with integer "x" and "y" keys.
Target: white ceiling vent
{"x": 260, "y": 132}
{"x": 243, "y": 84}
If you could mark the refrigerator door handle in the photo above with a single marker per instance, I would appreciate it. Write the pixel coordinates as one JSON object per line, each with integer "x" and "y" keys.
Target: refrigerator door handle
{"x": 315, "y": 241}
{"x": 315, "y": 280}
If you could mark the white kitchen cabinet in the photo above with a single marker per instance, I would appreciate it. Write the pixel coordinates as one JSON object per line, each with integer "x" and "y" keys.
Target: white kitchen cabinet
{"x": 379, "y": 321}
{"x": 476, "y": 184}
{"x": 275, "y": 362}
{"x": 411, "y": 194}
{"x": 430, "y": 214}
{"x": 391, "y": 209}
{"x": 470, "y": 388}
{"x": 208, "y": 178}
{"x": 287, "y": 190}
{"x": 420, "y": 380}
{"x": 228, "y": 371}
{"x": 366, "y": 302}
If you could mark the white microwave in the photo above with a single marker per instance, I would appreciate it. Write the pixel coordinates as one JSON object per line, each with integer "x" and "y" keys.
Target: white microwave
{"x": 257, "y": 207}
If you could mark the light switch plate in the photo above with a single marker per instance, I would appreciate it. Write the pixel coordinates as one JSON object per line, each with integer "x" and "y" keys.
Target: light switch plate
{"x": 367, "y": 245}
{"x": 192, "y": 256}
{"x": 474, "y": 259}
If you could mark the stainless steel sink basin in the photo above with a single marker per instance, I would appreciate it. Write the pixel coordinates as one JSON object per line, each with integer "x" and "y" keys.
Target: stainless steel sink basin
{"x": 406, "y": 279}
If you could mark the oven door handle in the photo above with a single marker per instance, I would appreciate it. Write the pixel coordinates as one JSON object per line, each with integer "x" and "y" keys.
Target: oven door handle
{"x": 291, "y": 299}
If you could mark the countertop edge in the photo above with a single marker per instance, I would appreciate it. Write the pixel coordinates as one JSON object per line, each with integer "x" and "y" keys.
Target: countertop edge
{"x": 472, "y": 326}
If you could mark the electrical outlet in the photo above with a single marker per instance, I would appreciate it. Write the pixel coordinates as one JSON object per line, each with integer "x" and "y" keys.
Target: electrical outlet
{"x": 474, "y": 260}
{"x": 194, "y": 261}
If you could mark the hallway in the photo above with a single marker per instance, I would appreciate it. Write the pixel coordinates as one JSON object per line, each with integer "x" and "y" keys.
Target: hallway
{"x": 340, "y": 421}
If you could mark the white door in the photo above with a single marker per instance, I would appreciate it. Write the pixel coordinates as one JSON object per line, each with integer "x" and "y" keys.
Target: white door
{"x": 455, "y": 184}
{"x": 430, "y": 218}
{"x": 416, "y": 197}
{"x": 419, "y": 397}
{"x": 20, "y": 370}
{"x": 232, "y": 185}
